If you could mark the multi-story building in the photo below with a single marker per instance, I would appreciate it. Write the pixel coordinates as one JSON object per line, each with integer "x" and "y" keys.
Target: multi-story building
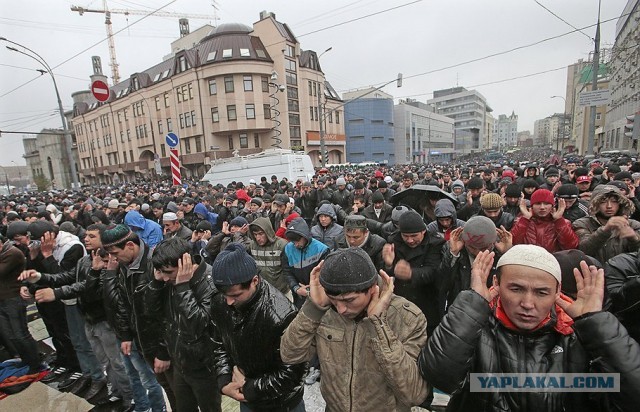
{"x": 239, "y": 90}
{"x": 624, "y": 80}
{"x": 46, "y": 155}
{"x": 369, "y": 126}
{"x": 505, "y": 132}
{"x": 422, "y": 136}
{"x": 469, "y": 110}
{"x": 489, "y": 129}
{"x": 551, "y": 131}
{"x": 525, "y": 139}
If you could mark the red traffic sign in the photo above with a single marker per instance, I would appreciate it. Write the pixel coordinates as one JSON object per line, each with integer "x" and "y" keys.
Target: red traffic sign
{"x": 100, "y": 90}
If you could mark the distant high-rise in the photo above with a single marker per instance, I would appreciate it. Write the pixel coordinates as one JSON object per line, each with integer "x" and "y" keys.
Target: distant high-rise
{"x": 505, "y": 132}
{"x": 469, "y": 110}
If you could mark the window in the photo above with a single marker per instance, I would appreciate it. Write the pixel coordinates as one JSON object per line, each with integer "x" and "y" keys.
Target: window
{"x": 248, "y": 83}
{"x": 292, "y": 78}
{"x": 181, "y": 117}
{"x": 290, "y": 51}
{"x": 245, "y": 53}
{"x": 256, "y": 140}
{"x": 213, "y": 88}
{"x": 184, "y": 92}
{"x": 337, "y": 117}
{"x": 211, "y": 56}
{"x": 166, "y": 99}
{"x": 124, "y": 155}
{"x": 155, "y": 79}
{"x": 135, "y": 86}
{"x": 310, "y": 88}
{"x": 330, "y": 117}
{"x": 227, "y": 53}
{"x": 228, "y": 84}
{"x": 250, "y": 111}
{"x": 169, "y": 125}
{"x": 187, "y": 146}
{"x": 292, "y": 92}
{"x": 131, "y": 154}
{"x": 157, "y": 99}
{"x": 215, "y": 116}
{"x": 163, "y": 150}
{"x": 260, "y": 53}
{"x": 187, "y": 120}
{"x": 267, "y": 111}
{"x": 193, "y": 117}
{"x": 128, "y": 135}
{"x": 311, "y": 112}
{"x": 265, "y": 83}
{"x": 230, "y": 142}
{"x": 315, "y": 112}
{"x": 198, "y": 145}
{"x": 121, "y": 137}
{"x": 294, "y": 119}
{"x": 244, "y": 142}
{"x": 293, "y": 105}
{"x": 598, "y": 116}
{"x": 183, "y": 65}
{"x": 294, "y": 132}
{"x": 160, "y": 127}
{"x": 231, "y": 112}
{"x": 290, "y": 65}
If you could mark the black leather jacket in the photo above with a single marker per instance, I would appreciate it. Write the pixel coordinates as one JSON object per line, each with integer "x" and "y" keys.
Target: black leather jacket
{"x": 470, "y": 339}
{"x": 73, "y": 284}
{"x": 249, "y": 338}
{"x": 186, "y": 312}
{"x": 123, "y": 292}
{"x": 623, "y": 284}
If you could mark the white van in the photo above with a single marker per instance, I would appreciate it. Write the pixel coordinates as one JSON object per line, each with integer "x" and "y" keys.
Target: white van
{"x": 279, "y": 162}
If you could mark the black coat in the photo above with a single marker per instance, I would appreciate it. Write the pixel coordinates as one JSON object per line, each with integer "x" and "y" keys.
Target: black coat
{"x": 623, "y": 284}
{"x": 470, "y": 339}
{"x": 373, "y": 246}
{"x": 186, "y": 312}
{"x": 249, "y": 338}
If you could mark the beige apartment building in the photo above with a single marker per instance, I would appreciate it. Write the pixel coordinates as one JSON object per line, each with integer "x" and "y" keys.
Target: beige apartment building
{"x": 238, "y": 91}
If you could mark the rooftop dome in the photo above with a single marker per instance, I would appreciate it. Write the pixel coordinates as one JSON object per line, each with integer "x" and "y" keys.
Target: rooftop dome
{"x": 228, "y": 28}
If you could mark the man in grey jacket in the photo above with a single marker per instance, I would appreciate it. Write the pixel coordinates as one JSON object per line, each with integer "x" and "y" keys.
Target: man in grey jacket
{"x": 268, "y": 251}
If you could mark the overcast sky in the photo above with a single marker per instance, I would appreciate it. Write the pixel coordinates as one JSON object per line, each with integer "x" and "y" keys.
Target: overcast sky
{"x": 412, "y": 37}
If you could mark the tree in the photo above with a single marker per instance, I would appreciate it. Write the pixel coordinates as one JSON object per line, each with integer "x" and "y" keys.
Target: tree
{"x": 42, "y": 182}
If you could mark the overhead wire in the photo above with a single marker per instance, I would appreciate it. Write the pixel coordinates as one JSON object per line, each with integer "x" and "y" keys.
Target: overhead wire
{"x": 563, "y": 20}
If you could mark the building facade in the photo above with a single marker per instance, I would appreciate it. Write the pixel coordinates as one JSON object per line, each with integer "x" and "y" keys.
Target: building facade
{"x": 505, "y": 132}
{"x": 239, "y": 90}
{"x": 468, "y": 109}
{"x": 422, "y": 136}
{"x": 369, "y": 126}
{"x": 46, "y": 155}
{"x": 551, "y": 131}
{"x": 624, "y": 81}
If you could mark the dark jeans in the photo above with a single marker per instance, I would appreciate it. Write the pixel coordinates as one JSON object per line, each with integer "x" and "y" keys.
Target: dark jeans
{"x": 13, "y": 322}
{"x": 55, "y": 320}
{"x": 165, "y": 379}
{"x": 196, "y": 390}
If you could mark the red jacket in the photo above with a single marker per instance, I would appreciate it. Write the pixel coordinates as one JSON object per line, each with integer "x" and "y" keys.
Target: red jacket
{"x": 553, "y": 235}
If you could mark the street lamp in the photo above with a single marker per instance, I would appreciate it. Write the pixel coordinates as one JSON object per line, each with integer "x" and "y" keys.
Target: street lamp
{"x": 323, "y": 158}
{"x": 67, "y": 134}
{"x": 564, "y": 119}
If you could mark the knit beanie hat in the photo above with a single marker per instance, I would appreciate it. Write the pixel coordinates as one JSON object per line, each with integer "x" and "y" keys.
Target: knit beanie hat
{"x": 552, "y": 171}
{"x": 69, "y": 227}
{"x": 491, "y": 201}
{"x": 457, "y": 183}
{"x": 623, "y": 175}
{"x": 397, "y": 212}
{"x": 40, "y": 227}
{"x": 19, "y": 227}
{"x": 475, "y": 183}
{"x": 530, "y": 183}
{"x": 341, "y": 181}
{"x": 479, "y": 232}
{"x": 114, "y": 235}
{"x": 569, "y": 260}
{"x": 377, "y": 197}
{"x": 233, "y": 266}
{"x": 238, "y": 221}
{"x": 568, "y": 191}
{"x": 355, "y": 222}
{"x": 411, "y": 222}
{"x": 542, "y": 195}
{"x": 256, "y": 201}
{"x": 172, "y": 207}
{"x": 347, "y": 270}
{"x": 513, "y": 190}
{"x": 534, "y": 257}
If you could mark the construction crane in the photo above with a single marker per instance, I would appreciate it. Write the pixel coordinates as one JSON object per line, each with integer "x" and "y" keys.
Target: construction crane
{"x": 113, "y": 62}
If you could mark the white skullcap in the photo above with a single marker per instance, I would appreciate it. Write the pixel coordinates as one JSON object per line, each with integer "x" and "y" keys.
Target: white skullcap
{"x": 169, "y": 216}
{"x": 534, "y": 257}
{"x": 388, "y": 179}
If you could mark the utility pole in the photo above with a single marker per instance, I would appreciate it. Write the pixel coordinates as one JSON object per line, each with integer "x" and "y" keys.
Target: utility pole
{"x": 594, "y": 86}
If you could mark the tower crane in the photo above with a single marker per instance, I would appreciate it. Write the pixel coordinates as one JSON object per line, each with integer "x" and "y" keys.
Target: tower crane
{"x": 115, "y": 74}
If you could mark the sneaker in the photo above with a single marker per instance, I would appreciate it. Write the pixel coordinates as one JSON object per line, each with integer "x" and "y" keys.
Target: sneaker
{"x": 80, "y": 385}
{"x": 312, "y": 376}
{"x": 95, "y": 389}
{"x": 55, "y": 373}
{"x": 67, "y": 384}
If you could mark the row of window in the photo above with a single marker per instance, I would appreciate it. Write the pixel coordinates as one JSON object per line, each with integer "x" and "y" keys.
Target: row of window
{"x": 232, "y": 114}
{"x": 247, "y": 84}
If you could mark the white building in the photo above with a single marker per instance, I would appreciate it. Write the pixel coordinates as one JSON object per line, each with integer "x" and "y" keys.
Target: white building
{"x": 422, "y": 136}
{"x": 505, "y": 132}
{"x": 468, "y": 109}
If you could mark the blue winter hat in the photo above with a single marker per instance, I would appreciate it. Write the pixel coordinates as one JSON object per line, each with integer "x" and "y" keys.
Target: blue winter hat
{"x": 234, "y": 266}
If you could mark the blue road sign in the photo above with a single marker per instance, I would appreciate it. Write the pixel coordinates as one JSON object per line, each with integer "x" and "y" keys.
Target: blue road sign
{"x": 171, "y": 139}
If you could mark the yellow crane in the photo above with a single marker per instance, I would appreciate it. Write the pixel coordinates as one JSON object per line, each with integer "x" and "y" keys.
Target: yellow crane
{"x": 113, "y": 63}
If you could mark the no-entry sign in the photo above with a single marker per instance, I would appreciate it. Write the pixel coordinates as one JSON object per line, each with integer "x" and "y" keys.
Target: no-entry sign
{"x": 100, "y": 90}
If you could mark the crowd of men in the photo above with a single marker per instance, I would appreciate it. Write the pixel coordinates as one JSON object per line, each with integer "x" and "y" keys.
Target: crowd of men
{"x": 383, "y": 283}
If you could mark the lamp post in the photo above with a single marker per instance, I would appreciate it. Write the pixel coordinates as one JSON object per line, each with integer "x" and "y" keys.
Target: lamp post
{"x": 19, "y": 174}
{"x": 67, "y": 134}
{"x": 6, "y": 179}
{"x": 323, "y": 156}
{"x": 564, "y": 119}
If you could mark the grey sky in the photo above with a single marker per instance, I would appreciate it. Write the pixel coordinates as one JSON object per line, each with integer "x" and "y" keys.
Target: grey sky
{"x": 412, "y": 39}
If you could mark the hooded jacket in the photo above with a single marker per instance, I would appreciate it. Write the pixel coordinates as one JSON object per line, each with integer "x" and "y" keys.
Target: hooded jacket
{"x": 623, "y": 284}
{"x": 473, "y": 338}
{"x": 210, "y": 217}
{"x": 269, "y": 257}
{"x": 329, "y": 234}
{"x": 148, "y": 230}
{"x": 367, "y": 364}
{"x": 248, "y": 337}
{"x": 601, "y": 244}
{"x": 444, "y": 208}
{"x": 299, "y": 263}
